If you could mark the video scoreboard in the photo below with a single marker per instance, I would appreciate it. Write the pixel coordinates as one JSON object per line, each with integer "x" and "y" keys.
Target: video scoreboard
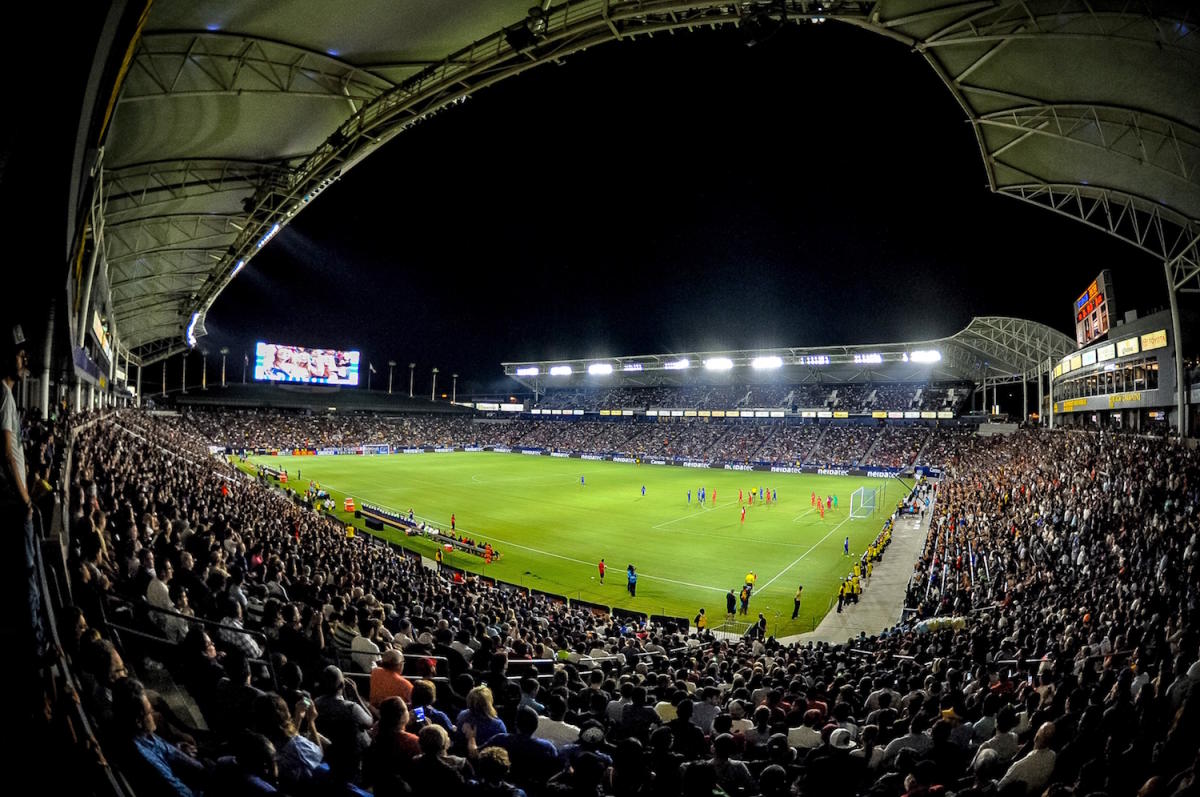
{"x": 1093, "y": 309}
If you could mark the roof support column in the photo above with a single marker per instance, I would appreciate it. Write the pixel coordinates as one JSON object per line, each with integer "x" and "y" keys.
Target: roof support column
{"x": 1181, "y": 387}
{"x": 1050, "y": 379}
{"x": 47, "y": 352}
{"x": 1024, "y": 398}
{"x": 137, "y": 399}
{"x": 1041, "y": 396}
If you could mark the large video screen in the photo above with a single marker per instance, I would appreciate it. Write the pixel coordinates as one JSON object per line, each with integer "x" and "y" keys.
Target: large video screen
{"x": 1093, "y": 309}
{"x": 274, "y": 362}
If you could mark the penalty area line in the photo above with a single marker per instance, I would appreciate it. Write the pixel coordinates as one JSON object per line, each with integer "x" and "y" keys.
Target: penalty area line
{"x": 806, "y": 553}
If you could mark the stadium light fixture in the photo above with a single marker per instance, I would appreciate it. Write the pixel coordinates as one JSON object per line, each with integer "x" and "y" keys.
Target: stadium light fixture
{"x": 600, "y": 369}
{"x": 676, "y": 365}
{"x": 718, "y": 364}
{"x": 531, "y": 370}
{"x": 263, "y": 241}
{"x": 814, "y": 359}
{"x": 766, "y": 362}
{"x": 632, "y": 367}
{"x": 560, "y": 370}
{"x": 241, "y": 264}
{"x": 191, "y": 330}
{"x": 926, "y": 356}
{"x": 868, "y": 359}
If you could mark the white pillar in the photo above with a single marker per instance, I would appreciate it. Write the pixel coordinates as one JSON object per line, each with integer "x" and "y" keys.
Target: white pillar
{"x": 1181, "y": 385}
{"x": 137, "y": 398}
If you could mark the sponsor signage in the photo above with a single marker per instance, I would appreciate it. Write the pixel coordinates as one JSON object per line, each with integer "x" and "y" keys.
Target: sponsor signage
{"x": 1089, "y": 357}
{"x": 776, "y": 413}
{"x": 594, "y": 457}
{"x": 1070, "y": 405}
{"x": 1127, "y": 346}
{"x": 787, "y": 469}
{"x": 602, "y": 412}
{"x": 1058, "y": 371}
{"x": 623, "y": 459}
{"x": 808, "y": 414}
{"x": 928, "y": 414}
{"x": 658, "y": 462}
{"x": 879, "y": 413}
{"x": 473, "y": 448}
{"x": 832, "y": 471}
{"x": 762, "y": 414}
{"x": 627, "y": 412}
{"x": 1106, "y": 352}
{"x": 1154, "y": 340}
{"x": 688, "y": 413}
{"x": 841, "y": 414}
{"x": 488, "y": 405}
{"x": 705, "y": 413}
{"x": 557, "y": 454}
{"x": 502, "y": 449}
{"x": 676, "y": 413}
{"x": 412, "y": 451}
{"x": 533, "y": 452}
{"x": 895, "y": 414}
{"x": 577, "y": 412}
{"x": 443, "y": 450}
{"x": 945, "y": 413}
{"x": 652, "y": 413}
{"x": 695, "y": 464}
{"x": 824, "y": 414}
{"x": 1076, "y": 362}
{"x": 880, "y": 474}
{"x": 912, "y": 414}
{"x": 739, "y": 467}
{"x": 1124, "y": 398}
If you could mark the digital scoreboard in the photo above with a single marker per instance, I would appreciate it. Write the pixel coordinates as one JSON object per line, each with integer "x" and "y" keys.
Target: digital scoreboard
{"x": 1093, "y": 309}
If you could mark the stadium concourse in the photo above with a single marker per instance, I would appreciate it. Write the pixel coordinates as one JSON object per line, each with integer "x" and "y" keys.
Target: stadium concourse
{"x": 225, "y": 637}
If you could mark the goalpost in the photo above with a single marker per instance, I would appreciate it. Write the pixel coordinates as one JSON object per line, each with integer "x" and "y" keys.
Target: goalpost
{"x": 864, "y": 502}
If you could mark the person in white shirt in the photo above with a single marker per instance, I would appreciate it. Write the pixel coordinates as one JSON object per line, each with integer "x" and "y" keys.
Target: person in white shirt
{"x": 553, "y": 728}
{"x": 1035, "y": 769}
{"x": 158, "y": 595}
{"x": 808, "y": 735}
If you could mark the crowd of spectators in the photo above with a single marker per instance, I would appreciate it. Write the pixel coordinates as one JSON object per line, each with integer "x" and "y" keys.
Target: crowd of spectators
{"x": 809, "y": 395}
{"x": 709, "y": 440}
{"x": 894, "y": 397}
{"x": 851, "y": 398}
{"x": 1055, "y": 647}
{"x": 844, "y": 445}
{"x": 897, "y": 446}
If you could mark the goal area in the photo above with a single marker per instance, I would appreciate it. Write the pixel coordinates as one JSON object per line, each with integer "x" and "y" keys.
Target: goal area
{"x": 864, "y": 502}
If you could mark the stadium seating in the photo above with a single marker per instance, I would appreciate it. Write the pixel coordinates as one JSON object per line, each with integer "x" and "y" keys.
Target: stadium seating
{"x": 1050, "y": 639}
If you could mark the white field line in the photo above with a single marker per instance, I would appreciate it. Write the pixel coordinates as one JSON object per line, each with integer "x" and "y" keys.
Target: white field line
{"x": 681, "y": 517}
{"x": 806, "y": 553}
{"x": 804, "y": 514}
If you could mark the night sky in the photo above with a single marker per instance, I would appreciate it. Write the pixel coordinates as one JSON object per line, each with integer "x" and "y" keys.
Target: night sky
{"x": 681, "y": 193}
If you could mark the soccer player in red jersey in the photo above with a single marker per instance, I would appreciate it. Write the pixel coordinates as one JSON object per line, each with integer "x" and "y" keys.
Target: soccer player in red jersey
{"x": 601, "y": 568}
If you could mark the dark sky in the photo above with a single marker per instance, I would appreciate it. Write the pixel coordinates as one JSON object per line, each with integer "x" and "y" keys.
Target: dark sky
{"x": 681, "y": 193}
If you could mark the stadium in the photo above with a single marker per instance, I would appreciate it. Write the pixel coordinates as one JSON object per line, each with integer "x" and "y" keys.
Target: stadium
{"x": 877, "y": 528}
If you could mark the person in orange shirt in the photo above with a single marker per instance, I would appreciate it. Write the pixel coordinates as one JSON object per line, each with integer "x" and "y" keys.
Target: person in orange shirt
{"x": 387, "y": 679}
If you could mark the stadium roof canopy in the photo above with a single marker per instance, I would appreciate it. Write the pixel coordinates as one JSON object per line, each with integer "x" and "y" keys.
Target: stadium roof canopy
{"x": 233, "y": 115}
{"x": 991, "y": 348}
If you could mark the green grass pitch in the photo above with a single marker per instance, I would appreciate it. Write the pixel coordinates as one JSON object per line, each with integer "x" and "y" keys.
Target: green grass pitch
{"x": 551, "y": 530}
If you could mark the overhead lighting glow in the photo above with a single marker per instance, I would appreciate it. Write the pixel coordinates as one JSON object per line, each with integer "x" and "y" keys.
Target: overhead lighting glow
{"x": 560, "y": 370}
{"x": 632, "y": 367}
{"x": 600, "y": 369}
{"x": 718, "y": 364}
{"x": 675, "y": 365}
{"x": 263, "y": 241}
{"x": 241, "y": 264}
{"x": 926, "y": 356}
{"x": 766, "y": 362}
{"x": 814, "y": 359}
{"x": 191, "y": 330}
{"x": 531, "y": 370}
{"x": 868, "y": 359}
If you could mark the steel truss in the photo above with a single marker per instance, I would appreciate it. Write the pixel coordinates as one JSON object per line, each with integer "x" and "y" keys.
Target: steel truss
{"x": 191, "y": 64}
{"x": 182, "y": 63}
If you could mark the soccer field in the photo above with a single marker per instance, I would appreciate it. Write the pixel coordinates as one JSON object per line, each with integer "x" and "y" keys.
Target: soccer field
{"x": 551, "y": 530}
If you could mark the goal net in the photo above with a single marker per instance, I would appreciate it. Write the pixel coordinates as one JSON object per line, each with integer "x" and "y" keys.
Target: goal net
{"x": 863, "y": 502}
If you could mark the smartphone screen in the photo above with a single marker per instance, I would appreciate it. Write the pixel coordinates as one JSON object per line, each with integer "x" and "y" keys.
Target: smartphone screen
{"x": 419, "y": 714}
